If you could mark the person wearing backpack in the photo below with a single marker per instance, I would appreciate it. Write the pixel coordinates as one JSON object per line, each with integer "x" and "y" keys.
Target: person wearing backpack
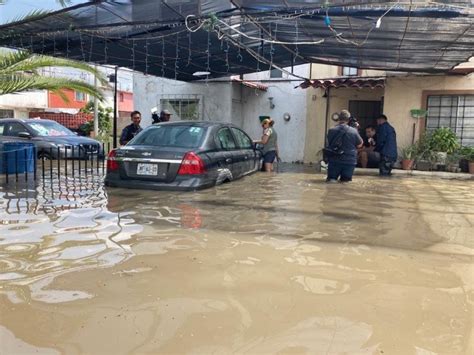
{"x": 341, "y": 149}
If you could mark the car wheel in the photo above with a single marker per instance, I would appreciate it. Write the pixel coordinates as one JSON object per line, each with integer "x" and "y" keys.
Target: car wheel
{"x": 44, "y": 155}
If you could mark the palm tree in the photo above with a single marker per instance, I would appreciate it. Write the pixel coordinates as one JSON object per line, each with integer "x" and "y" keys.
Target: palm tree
{"x": 19, "y": 72}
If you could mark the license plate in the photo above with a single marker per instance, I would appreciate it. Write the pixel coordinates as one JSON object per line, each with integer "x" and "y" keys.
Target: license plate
{"x": 147, "y": 169}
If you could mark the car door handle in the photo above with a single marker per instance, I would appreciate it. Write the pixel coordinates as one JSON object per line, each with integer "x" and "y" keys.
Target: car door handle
{"x": 228, "y": 160}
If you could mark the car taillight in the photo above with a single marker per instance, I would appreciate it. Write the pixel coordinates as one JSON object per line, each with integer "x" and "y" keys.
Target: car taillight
{"x": 192, "y": 164}
{"x": 112, "y": 164}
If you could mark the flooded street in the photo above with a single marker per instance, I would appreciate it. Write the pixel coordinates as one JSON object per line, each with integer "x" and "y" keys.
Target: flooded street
{"x": 281, "y": 263}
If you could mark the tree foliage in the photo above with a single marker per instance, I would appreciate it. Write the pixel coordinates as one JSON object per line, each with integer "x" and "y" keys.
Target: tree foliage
{"x": 19, "y": 71}
{"x": 105, "y": 119}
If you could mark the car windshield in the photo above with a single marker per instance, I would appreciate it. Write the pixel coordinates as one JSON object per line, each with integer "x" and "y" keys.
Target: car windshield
{"x": 179, "y": 136}
{"x": 49, "y": 129}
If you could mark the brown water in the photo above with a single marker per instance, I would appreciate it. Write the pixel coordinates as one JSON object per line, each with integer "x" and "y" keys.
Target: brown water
{"x": 269, "y": 264}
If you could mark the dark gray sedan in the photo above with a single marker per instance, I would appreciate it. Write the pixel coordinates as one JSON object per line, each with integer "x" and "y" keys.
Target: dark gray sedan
{"x": 187, "y": 155}
{"x": 51, "y": 139}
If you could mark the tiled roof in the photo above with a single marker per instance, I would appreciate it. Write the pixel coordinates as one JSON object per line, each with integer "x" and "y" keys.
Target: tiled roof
{"x": 356, "y": 82}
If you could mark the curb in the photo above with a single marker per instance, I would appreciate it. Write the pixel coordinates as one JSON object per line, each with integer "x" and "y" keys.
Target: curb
{"x": 418, "y": 173}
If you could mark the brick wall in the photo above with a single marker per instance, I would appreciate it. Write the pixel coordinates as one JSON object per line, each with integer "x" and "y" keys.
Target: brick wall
{"x": 66, "y": 119}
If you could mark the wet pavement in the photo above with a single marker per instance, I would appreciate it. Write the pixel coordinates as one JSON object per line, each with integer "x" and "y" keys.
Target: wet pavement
{"x": 279, "y": 263}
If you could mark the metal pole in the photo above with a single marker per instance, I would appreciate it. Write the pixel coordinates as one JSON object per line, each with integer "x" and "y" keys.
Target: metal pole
{"x": 115, "y": 107}
{"x": 96, "y": 108}
{"x": 328, "y": 92}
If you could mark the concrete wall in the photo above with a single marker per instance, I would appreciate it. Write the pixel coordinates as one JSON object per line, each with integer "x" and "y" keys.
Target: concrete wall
{"x": 22, "y": 103}
{"x": 287, "y": 99}
{"x": 241, "y": 105}
{"x": 405, "y": 93}
{"x": 216, "y": 97}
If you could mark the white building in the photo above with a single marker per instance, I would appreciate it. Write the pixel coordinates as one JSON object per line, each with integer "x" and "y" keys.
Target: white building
{"x": 231, "y": 100}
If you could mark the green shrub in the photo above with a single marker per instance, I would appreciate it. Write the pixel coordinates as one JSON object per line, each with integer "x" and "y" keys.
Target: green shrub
{"x": 443, "y": 140}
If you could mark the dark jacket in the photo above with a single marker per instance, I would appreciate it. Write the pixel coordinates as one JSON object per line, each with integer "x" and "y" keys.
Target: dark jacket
{"x": 386, "y": 141}
{"x": 350, "y": 140}
{"x": 129, "y": 132}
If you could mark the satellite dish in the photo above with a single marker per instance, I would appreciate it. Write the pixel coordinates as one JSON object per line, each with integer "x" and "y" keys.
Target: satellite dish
{"x": 286, "y": 116}
{"x": 335, "y": 116}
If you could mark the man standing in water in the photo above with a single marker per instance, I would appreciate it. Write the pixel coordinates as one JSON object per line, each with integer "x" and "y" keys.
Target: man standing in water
{"x": 341, "y": 149}
{"x": 132, "y": 129}
{"x": 386, "y": 145}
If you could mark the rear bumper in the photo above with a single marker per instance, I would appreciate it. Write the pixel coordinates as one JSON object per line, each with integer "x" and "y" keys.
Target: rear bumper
{"x": 181, "y": 183}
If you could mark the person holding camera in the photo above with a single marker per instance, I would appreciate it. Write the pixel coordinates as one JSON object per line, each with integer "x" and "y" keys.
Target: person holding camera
{"x": 341, "y": 149}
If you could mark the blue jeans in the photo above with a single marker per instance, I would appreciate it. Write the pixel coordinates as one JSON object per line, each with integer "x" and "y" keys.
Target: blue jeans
{"x": 337, "y": 170}
{"x": 386, "y": 165}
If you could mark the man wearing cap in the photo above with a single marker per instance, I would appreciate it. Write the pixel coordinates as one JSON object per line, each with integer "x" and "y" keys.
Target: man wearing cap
{"x": 341, "y": 149}
{"x": 386, "y": 146}
{"x": 165, "y": 116}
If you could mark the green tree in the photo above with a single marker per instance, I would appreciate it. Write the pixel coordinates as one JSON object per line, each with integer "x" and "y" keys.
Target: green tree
{"x": 105, "y": 119}
{"x": 19, "y": 71}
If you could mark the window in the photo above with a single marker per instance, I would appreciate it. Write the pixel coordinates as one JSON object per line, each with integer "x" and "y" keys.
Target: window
{"x": 121, "y": 97}
{"x": 2, "y": 128}
{"x": 12, "y": 129}
{"x": 7, "y": 114}
{"x": 243, "y": 140}
{"x": 183, "y": 109}
{"x": 276, "y": 73}
{"x": 80, "y": 96}
{"x": 225, "y": 139}
{"x": 452, "y": 111}
{"x": 349, "y": 71}
{"x": 180, "y": 136}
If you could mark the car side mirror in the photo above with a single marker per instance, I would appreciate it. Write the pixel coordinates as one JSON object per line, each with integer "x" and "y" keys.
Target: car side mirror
{"x": 24, "y": 135}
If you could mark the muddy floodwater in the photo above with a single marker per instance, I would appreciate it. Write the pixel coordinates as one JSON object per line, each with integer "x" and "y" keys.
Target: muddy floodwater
{"x": 273, "y": 264}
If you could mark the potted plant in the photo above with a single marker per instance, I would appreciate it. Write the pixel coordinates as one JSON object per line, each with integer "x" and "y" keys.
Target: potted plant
{"x": 425, "y": 157}
{"x": 468, "y": 154}
{"x": 453, "y": 161}
{"x": 408, "y": 155}
{"x": 443, "y": 141}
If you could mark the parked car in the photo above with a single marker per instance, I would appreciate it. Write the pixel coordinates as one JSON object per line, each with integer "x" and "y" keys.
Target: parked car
{"x": 186, "y": 155}
{"x": 50, "y": 138}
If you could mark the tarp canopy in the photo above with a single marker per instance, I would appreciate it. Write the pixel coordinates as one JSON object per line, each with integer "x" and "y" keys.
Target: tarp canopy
{"x": 177, "y": 38}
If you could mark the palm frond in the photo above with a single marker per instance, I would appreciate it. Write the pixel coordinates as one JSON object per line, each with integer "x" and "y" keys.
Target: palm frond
{"x": 32, "y": 15}
{"x": 23, "y": 61}
{"x": 13, "y": 83}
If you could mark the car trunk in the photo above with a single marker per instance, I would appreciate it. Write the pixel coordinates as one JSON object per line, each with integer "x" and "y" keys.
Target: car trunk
{"x": 150, "y": 162}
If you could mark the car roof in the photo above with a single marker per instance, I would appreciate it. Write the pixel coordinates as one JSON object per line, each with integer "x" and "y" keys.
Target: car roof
{"x": 195, "y": 123}
{"x": 25, "y": 120}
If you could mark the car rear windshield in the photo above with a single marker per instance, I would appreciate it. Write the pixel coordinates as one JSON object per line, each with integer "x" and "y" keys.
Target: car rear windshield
{"x": 49, "y": 129}
{"x": 179, "y": 136}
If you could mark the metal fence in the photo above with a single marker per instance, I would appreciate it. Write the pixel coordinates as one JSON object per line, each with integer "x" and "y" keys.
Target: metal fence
{"x": 74, "y": 161}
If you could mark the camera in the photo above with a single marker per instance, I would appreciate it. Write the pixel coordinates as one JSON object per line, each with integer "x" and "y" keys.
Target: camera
{"x": 354, "y": 123}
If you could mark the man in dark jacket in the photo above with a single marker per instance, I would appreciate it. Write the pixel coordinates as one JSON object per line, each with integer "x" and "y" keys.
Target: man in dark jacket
{"x": 386, "y": 145}
{"x": 345, "y": 140}
{"x": 164, "y": 116}
{"x": 132, "y": 129}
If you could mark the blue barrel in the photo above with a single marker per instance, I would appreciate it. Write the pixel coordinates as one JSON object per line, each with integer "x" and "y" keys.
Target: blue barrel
{"x": 17, "y": 157}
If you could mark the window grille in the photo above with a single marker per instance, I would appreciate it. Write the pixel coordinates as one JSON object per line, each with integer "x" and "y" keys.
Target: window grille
{"x": 183, "y": 107}
{"x": 452, "y": 111}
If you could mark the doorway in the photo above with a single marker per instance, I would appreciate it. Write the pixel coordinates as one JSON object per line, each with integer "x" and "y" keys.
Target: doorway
{"x": 366, "y": 112}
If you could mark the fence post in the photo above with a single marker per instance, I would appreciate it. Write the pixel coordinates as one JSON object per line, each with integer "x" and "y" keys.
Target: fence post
{"x": 51, "y": 164}
{"x": 35, "y": 163}
{"x": 72, "y": 147}
{"x": 59, "y": 163}
{"x": 25, "y": 155}
{"x": 16, "y": 165}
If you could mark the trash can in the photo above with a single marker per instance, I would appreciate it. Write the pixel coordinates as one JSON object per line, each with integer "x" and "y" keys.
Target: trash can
{"x": 17, "y": 157}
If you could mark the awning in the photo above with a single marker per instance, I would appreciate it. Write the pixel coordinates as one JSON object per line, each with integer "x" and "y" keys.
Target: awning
{"x": 249, "y": 84}
{"x": 177, "y": 38}
{"x": 358, "y": 83}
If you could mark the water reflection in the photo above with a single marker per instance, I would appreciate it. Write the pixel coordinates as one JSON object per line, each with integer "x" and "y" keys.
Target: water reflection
{"x": 267, "y": 264}
{"x": 52, "y": 229}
